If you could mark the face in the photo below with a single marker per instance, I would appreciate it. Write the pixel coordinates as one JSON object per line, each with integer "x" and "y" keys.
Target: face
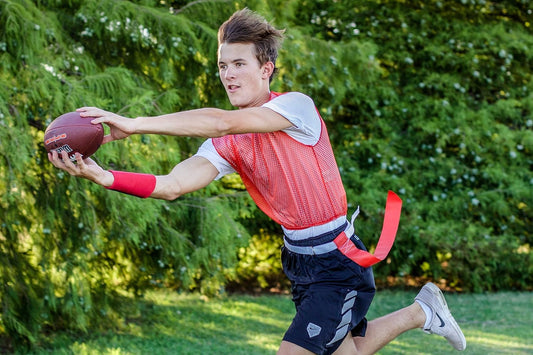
{"x": 245, "y": 80}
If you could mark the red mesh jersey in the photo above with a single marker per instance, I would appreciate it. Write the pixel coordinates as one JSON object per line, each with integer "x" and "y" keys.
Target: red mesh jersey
{"x": 297, "y": 185}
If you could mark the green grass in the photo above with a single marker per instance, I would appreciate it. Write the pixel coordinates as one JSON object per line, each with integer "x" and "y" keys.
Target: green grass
{"x": 171, "y": 323}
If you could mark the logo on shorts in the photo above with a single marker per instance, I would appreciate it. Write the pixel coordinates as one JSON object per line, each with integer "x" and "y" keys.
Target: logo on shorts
{"x": 313, "y": 330}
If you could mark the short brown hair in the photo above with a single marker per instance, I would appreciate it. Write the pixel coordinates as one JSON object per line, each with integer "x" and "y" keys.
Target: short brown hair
{"x": 246, "y": 26}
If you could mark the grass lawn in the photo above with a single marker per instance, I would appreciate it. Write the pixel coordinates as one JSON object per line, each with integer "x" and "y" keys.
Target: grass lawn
{"x": 171, "y": 323}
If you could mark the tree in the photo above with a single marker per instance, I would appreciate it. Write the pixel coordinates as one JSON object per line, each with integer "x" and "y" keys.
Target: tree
{"x": 71, "y": 250}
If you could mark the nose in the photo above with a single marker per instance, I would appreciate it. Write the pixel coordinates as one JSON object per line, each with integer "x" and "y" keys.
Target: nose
{"x": 229, "y": 73}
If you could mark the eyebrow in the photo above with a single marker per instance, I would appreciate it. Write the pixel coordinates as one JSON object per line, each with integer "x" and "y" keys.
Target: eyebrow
{"x": 233, "y": 61}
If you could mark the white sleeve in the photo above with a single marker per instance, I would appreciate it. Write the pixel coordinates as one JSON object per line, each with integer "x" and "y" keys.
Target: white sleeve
{"x": 300, "y": 110}
{"x": 207, "y": 150}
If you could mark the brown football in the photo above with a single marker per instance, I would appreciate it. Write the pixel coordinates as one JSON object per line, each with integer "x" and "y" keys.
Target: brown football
{"x": 72, "y": 133}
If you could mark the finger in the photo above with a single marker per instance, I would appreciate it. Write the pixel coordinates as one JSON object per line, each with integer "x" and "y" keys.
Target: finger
{"x": 64, "y": 157}
{"x": 86, "y": 108}
{"x": 107, "y": 138}
{"x": 91, "y": 112}
{"x": 80, "y": 165}
{"x": 100, "y": 119}
{"x": 53, "y": 156}
{"x": 79, "y": 160}
{"x": 68, "y": 163}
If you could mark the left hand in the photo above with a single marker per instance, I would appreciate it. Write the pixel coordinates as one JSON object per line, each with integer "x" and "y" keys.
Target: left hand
{"x": 85, "y": 168}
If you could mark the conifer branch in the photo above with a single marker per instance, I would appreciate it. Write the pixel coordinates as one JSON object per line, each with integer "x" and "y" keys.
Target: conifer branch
{"x": 183, "y": 8}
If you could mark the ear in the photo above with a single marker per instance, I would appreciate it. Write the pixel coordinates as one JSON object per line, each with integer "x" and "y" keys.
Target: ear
{"x": 267, "y": 70}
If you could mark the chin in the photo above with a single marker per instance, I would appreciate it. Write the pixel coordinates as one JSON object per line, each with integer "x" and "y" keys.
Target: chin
{"x": 236, "y": 103}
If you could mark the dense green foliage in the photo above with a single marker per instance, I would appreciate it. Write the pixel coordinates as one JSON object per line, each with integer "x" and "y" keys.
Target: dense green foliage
{"x": 430, "y": 99}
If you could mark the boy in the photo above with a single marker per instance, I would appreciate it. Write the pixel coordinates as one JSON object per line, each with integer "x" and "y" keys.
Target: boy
{"x": 279, "y": 145}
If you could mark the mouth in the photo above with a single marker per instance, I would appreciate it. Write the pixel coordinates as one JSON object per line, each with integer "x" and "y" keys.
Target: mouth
{"x": 233, "y": 88}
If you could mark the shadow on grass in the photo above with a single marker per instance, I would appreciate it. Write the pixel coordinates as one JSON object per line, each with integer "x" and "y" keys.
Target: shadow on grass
{"x": 188, "y": 324}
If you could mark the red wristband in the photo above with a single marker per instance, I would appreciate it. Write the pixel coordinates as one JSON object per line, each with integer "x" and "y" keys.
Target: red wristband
{"x": 135, "y": 184}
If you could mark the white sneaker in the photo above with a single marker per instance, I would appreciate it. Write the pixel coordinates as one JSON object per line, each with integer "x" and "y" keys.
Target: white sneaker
{"x": 442, "y": 322}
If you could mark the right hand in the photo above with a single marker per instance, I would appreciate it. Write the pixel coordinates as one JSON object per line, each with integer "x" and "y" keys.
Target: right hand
{"x": 120, "y": 126}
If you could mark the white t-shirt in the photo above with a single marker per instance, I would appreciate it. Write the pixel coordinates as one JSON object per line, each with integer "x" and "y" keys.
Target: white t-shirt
{"x": 296, "y": 107}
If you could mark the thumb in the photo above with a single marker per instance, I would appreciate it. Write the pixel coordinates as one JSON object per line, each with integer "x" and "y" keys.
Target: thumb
{"x": 107, "y": 138}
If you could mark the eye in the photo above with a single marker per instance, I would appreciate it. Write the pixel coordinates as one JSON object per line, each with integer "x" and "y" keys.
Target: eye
{"x": 222, "y": 66}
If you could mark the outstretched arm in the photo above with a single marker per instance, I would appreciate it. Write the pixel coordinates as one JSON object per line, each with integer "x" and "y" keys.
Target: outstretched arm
{"x": 189, "y": 175}
{"x": 205, "y": 122}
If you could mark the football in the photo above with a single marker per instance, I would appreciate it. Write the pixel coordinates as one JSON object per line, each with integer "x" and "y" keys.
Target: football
{"x": 72, "y": 133}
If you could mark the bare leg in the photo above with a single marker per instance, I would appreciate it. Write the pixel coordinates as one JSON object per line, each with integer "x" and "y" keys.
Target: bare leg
{"x": 287, "y": 348}
{"x": 383, "y": 330}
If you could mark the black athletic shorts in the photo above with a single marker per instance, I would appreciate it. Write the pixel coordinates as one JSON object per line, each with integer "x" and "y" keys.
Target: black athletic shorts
{"x": 332, "y": 295}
